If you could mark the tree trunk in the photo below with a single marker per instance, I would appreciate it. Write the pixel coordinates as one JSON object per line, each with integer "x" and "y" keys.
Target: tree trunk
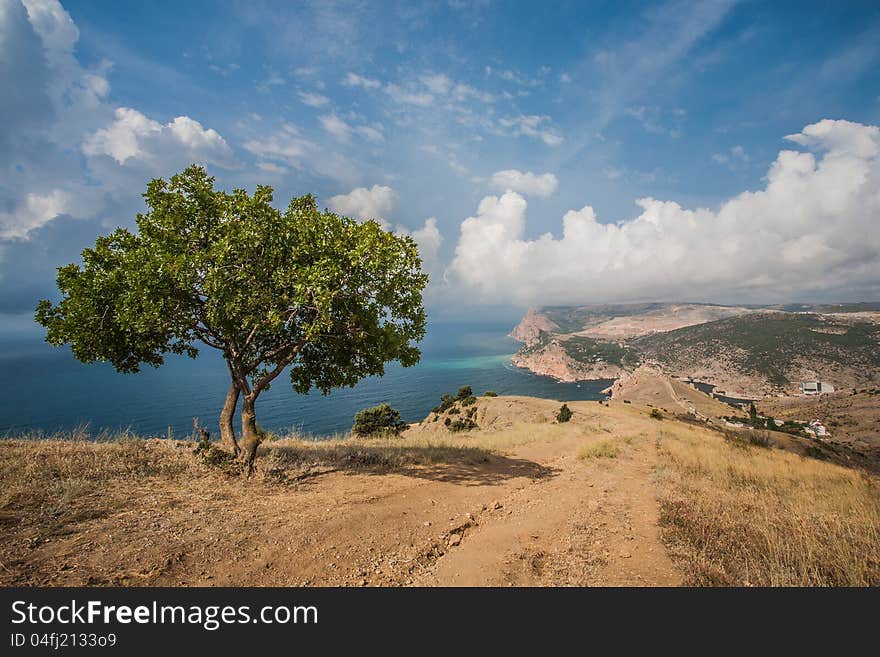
{"x": 227, "y": 431}
{"x": 251, "y": 436}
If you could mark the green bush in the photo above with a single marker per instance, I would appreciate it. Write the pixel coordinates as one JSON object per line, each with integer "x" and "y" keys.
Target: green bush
{"x": 379, "y": 419}
{"x": 465, "y": 424}
{"x": 454, "y": 410}
{"x": 464, "y": 392}
{"x": 490, "y": 393}
{"x": 564, "y": 414}
{"x": 656, "y": 413}
{"x": 467, "y": 401}
{"x": 446, "y": 401}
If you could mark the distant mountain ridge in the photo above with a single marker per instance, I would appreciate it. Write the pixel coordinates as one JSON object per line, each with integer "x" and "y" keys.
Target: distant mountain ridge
{"x": 746, "y": 350}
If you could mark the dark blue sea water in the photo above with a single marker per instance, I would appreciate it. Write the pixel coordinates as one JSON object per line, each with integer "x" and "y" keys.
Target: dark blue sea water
{"x": 45, "y": 389}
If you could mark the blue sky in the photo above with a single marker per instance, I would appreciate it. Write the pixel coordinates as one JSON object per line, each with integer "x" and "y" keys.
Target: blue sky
{"x": 422, "y": 104}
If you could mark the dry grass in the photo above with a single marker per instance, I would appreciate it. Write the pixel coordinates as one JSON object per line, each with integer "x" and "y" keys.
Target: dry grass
{"x": 389, "y": 453}
{"x": 58, "y": 481}
{"x": 602, "y": 449}
{"x": 736, "y": 514}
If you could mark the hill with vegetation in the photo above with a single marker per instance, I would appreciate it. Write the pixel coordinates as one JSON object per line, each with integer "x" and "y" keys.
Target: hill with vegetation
{"x": 742, "y": 350}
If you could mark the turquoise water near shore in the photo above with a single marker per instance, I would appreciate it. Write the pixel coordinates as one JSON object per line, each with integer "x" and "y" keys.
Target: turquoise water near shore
{"x": 46, "y": 390}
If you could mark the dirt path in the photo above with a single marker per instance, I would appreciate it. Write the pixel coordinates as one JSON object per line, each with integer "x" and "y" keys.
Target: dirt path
{"x": 533, "y": 514}
{"x": 594, "y": 523}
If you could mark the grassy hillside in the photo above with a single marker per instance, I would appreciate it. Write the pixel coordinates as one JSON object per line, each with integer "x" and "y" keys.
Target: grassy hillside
{"x": 769, "y": 344}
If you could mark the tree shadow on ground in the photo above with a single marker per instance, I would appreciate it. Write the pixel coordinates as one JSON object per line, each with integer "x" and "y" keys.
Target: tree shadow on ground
{"x": 470, "y": 466}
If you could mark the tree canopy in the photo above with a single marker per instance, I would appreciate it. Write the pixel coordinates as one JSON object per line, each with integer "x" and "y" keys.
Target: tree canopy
{"x": 330, "y": 299}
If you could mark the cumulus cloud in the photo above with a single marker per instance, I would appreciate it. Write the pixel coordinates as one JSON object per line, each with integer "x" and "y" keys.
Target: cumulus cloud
{"x": 135, "y": 136}
{"x": 429, "y": 239}
{"x": 56, "y": 111}
{"x": 365, "y": 203}
{"x": 527, "y": 183}
{"x": 810, "y": 232}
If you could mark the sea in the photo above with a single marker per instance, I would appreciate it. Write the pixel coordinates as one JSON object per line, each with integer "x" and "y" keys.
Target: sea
{"x": 45, "y": 391}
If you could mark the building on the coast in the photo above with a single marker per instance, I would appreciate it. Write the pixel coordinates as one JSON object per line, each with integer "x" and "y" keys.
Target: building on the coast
{"x": 816, "y": 387}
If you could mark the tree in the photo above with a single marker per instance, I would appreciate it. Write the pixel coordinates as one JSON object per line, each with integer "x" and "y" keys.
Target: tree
{"x": 322, "y": 295}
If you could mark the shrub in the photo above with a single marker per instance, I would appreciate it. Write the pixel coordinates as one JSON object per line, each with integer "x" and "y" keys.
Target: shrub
{"x": 467, "y": 401}
{"x": 446, "y": 401}
{"x": 465, "y": 424}
{"x": 564, "y": 414}
{"x": 490, "y": 393}
{"x": 657, "y": 414}
{"x": 454, "y": 410}
{"x": 379, "y": 419}
{"x": 464, "y": 392}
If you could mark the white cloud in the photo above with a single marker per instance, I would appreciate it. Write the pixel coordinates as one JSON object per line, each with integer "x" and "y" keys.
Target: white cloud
{"x": 285, "y": 144}
{"x": 437, "y": 84}
{"x": 371, "y": 133}
{"x": 737, "y": 156}
{"x": 57, "y": 111}
{"x": 312, "y": 99}
{"x": 533, "y": 126}
{"x": 811, "y": 231}
{"x": 400, "y": 95}
{"x": 134, "y": 136}
{"x": 363, "y": 203}
{"x": 429, "y": 240}
{"x": 336, "y": 126}
{"x": 33, "y": 213}
{"x": 527, "y": 183}
{"x": 354, "y": 80}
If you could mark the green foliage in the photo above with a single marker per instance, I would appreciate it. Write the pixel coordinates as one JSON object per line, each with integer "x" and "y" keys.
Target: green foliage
{"x": 464, "y": 392}
{"x": 564, "y": 414}
{"x": 768, "y": 344}
{"x": 380, "y": 419}
{"x": 656, "y": 414}
{"x": 461, "y": 424}
{"x": 446, "y": 402}
{"x": 490, "y": 393}
{"x": 454, "y": 410}
{"x": 467, "y": 401}
{"x": 328, "y": 298}
{"x": 589, "y": 350}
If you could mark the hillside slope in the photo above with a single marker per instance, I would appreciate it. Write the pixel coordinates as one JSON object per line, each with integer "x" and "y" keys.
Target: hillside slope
{"x": 613, "y": 497}
{"x": 744, "y": 351}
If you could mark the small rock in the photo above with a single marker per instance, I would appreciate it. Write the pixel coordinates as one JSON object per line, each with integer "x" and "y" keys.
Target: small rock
{"x": 496, "y": 504}
{"x": 427, "y": 523}
{"x": 454, "y": 540}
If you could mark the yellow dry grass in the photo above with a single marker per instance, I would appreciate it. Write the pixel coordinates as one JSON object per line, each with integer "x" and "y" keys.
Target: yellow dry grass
{"x": 742, "y": 515}
{"x": 601, "y": 449}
